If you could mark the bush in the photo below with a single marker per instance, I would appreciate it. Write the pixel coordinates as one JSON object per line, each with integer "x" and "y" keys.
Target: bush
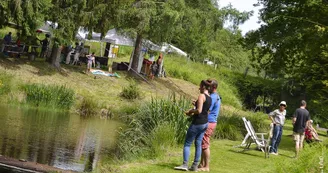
{"x": 87, "y": 107}
{"x": 49, "y": 96}
{"x": 132, "y": 91}
{"x": 232, "y": 126}
{"x": 138, "y": 139}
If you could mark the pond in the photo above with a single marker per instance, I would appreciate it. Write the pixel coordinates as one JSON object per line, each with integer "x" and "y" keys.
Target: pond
{"x": 62, "y": 140}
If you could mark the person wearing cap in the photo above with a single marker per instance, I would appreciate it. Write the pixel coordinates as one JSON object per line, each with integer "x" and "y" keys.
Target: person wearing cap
{"x": 277, "y": 117}
{"x": 300, "y": 121}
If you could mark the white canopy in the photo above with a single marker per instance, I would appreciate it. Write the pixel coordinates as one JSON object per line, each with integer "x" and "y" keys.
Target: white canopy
{"x": 111, "y": 36}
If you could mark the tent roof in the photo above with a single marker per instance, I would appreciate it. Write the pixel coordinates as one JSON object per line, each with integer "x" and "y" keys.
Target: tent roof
{"x": 111, "y": 36}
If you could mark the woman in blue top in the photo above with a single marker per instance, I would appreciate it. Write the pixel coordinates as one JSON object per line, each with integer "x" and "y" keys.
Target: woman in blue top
{"x": 198, "y": 126}
{"x": 212, "y": 119}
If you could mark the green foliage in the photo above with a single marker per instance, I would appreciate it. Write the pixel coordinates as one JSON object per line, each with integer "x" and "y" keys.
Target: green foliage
{"x": 5, "y": 83}
{"x": 49, "y": 96}
{"x": 27, "y": 15}
{"x": 162, "y": 138}
{"x": 155, "y": 118}
{"x": 195, "y": 72}
{"x": 132, "y": 91}
{"x": 87, "y": 107}
{"x": 293, "y": 46}
{"x": 308, "y": 162}
{"x": 231, "y": 126}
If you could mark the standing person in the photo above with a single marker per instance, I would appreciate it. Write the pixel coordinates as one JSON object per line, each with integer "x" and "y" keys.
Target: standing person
{"x": 300, "y": 120}
{"x": 198, "y": 127}
{"x": 77, "y": 53}
{"x": 90, "y": 60}
{"x": 44, "y": 46}
{"x": 277, "y": 117}
{"x": 212, "y": 120}
{"x": 70, "y": 50}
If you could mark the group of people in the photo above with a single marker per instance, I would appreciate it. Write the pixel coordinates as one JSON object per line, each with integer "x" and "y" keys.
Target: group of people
{"x": 204, "y": 119}
{"x": 152, "y": 67}
{"x": 31, "y": 41}
{"x": 302, "y": 127}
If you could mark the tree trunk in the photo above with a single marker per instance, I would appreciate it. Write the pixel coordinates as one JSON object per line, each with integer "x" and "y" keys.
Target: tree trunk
{"x": 136, "y": 55}
{"x": 54, "y": 58}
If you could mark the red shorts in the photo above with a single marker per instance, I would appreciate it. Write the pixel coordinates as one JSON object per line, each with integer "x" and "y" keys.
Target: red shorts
{"x": 206, "y": 140}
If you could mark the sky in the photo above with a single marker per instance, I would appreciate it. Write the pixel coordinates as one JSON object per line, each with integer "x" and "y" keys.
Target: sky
{"x": 244, "y": 5}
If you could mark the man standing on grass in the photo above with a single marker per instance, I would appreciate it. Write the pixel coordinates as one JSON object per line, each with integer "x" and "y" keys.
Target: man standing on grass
{"x": 300, "y": 120}
{"x": 278, "y": 119}
{"x": 212, "y": 120}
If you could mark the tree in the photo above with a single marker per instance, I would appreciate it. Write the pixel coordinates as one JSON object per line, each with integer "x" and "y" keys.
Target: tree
{"x": 68, "y": 15}
{"x": 26, "y": 14}
{"x": 292, "y": 44}
{"x": 149, "y": 19}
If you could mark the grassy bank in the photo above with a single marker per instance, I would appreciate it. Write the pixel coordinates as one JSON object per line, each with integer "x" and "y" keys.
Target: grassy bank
{"x": 103, "y": 92}
{"x": 225, "y": 158}
{"x": 181, "y": 68}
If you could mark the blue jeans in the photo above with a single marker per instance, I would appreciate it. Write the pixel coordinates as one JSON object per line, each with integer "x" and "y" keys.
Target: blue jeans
{"x": 195, "y": 132}
{"x": 276, "y": 138}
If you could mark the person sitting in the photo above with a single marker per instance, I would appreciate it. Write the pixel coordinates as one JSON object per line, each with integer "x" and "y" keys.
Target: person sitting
{"x": 7, "y": 38}
{"x": 310, "y": 133}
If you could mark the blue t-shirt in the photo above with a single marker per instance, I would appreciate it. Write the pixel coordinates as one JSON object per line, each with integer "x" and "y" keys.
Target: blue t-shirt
{"x": 215, "y": 108}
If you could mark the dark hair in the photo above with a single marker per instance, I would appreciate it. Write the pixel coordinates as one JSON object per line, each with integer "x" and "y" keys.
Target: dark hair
{"x": 206, "y": 84}
{"x": 303, "y": 103}
{"x": 214, "y": 84}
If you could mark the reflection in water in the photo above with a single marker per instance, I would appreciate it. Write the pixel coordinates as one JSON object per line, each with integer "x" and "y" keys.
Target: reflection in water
{"x": 57, "y": 139}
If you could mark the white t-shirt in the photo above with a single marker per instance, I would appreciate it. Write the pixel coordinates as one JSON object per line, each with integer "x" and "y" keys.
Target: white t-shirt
{"x": 278, "y": 117}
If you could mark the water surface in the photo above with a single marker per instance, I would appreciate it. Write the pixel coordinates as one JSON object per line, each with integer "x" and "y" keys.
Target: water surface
{"x": 58, "y": 139}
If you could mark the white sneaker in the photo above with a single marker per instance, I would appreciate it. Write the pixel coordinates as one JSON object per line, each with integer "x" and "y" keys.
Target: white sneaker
{"x": 273, "y": 153}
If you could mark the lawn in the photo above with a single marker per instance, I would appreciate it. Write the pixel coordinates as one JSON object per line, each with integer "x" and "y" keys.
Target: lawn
{"x": 225, "y": 158}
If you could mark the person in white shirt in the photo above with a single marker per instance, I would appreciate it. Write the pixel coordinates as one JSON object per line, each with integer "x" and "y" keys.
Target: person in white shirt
{"x": 277, "y": 117}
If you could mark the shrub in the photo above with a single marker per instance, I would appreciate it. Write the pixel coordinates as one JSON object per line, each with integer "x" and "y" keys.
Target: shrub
{"x": 132, "y": 91}
{"x": 87, "y": 107}
{"x": 232, "y": 126}
{"x": 49, "y": 96}
{"x": 138, "y": 138}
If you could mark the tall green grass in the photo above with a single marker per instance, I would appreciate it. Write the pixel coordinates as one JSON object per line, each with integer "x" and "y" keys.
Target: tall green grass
{"x": 87, "y": 107}
{"x": 157, "y": 125}
{"x": 132, "y": 91}
{"x": 5, "y": 83}
{"x": 179, "y": 67}
{"x": 231, "y": 126}
{"x": 313, "y": 159}
{"x": 50, "y": 96}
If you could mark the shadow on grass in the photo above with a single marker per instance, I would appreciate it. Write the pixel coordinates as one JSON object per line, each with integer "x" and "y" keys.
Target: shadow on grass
{"x": 168, "y": 166}
{"x": 43, "y": 68}
{"x": 10, "y": 63}
{"x": 246, "y": 152}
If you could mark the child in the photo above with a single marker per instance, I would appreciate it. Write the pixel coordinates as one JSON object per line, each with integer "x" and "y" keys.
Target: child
{"x": 90, "y": 60}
